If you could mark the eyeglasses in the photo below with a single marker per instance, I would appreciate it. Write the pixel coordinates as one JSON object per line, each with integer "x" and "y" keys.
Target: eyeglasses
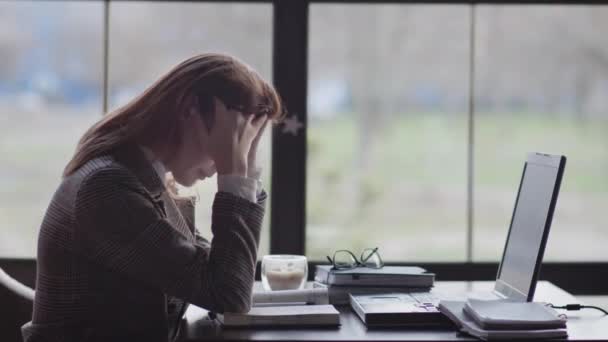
{"x": 344, "y": 259}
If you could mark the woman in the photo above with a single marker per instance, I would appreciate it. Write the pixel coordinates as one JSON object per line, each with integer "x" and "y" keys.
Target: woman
{"x": 117, "y": 258}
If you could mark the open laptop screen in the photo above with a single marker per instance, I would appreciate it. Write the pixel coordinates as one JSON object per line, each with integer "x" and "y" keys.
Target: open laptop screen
{"x": 530, "y": 225}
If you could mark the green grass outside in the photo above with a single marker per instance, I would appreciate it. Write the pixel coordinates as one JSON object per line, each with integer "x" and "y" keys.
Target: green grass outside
{"x": 415, "y": 185}
{"x": 417, "y": 168}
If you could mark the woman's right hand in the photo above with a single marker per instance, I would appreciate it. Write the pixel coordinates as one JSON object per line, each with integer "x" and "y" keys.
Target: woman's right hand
{"x": 231, "y": 137}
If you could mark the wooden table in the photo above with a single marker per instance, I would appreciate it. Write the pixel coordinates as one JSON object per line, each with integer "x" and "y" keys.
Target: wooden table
{"x": 585, "y": 325}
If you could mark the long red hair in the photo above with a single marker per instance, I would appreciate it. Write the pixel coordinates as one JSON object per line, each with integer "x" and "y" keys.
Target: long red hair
{"x": 150, "y": 118}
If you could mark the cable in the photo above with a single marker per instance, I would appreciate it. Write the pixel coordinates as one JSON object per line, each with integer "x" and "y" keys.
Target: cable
{"x": 16, "y": 286}
{"x": 576, "y": 307}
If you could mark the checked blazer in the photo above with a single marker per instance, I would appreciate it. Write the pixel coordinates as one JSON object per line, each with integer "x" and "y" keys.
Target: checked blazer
{"x": 117, "y": 259}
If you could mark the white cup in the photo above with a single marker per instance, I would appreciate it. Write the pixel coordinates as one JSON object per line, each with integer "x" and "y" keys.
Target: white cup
{"x": 284, "y": 272}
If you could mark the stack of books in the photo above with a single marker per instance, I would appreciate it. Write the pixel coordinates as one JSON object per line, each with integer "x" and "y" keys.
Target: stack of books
{"x": 505, "y": 320}
{"x": 340, "y": 284}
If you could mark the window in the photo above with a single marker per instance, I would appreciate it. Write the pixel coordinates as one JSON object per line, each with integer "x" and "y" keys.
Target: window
{"x": 50, "y": 92}
{"x": 147, "y": 39}
{"x": 387, "y": 130}
{"x": 541, "y": 85}
{"x": 388, "y": 113}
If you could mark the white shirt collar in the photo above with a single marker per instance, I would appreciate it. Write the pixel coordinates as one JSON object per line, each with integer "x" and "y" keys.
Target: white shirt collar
{"x": 158, "y": 166}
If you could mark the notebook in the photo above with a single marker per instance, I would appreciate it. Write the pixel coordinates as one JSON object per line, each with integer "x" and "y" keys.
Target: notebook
{"x": 276, "y": 316}
{"x": 395, "y": 309}
{"x": 500, "y": 314}
{"x": 397, "y": 276}
{"x": 454, "y": 311}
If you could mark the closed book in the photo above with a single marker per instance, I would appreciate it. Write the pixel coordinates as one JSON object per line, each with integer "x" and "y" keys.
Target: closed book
{"x": 394, "y": 309}
{"x": 501, "y": 314}
{"x": 454, "y": 310}
{"x": 340, "y": 294}
{"x": 277, "y": 316}
{"x": 387, "y": 276}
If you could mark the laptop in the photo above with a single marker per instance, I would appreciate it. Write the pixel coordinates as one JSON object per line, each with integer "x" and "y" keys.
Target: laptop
{"x": 521, "y": 259}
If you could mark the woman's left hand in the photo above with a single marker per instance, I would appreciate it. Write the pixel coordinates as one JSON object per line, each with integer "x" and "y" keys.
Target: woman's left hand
{"x": 251, "y": 157}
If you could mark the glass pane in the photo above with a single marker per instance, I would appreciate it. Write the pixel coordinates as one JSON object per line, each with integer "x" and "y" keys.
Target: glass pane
{"x": 50, "y": 93}
{"x": 387, "y": 134}
{"x": 147, "y": 39}
{"x": 542, "y": 80}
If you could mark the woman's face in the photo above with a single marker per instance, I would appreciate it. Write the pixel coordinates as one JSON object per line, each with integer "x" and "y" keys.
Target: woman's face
{"x": 191, "y": 160}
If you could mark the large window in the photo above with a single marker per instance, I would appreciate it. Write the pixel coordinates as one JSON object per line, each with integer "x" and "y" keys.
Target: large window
{"x": 50, "y": 92}
{"x": 51, "y": 86}
{"x": 395, "y": 151}
{"x": 387, "y": 132}
{"x": 148, "y": 38}
{"x": 388, "y": 126}
{"x": 542, "y": 85}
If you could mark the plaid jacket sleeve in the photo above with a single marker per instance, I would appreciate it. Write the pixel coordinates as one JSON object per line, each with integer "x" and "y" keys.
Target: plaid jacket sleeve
{"x": 261, "y": 199}
{"x": 122, "y": 228}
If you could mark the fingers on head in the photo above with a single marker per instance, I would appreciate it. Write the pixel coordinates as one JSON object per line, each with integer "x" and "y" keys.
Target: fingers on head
{"x": 260, "y": 120}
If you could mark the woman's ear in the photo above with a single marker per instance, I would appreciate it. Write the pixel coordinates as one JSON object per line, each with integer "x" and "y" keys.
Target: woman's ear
{"x": 189, "y": 107}
{"x": 192, "y": 112}
{"x": 205, "y": 104}
{"x": 206, "y": 108}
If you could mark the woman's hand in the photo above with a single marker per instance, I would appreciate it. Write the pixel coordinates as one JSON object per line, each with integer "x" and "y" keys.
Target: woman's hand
{"x": 251, "y": 158}
{"x": 231, "y": 138}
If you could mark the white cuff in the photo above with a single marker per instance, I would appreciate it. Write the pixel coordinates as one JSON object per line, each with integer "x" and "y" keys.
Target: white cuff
{"x": 239, "y": 186}
{"x": 256, "y": 174}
